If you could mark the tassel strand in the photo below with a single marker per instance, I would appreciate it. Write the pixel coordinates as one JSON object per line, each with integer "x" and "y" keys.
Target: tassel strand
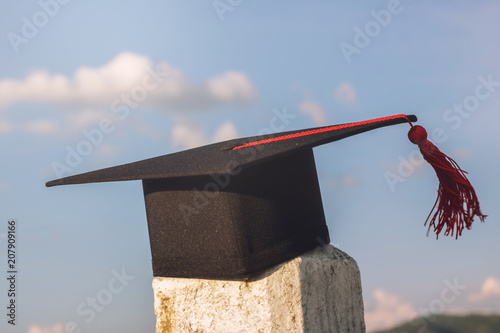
{"x": 456, "y": 204}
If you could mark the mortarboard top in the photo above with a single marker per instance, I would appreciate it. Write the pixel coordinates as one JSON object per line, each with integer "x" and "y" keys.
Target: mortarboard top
{"x": 236, "y": 207}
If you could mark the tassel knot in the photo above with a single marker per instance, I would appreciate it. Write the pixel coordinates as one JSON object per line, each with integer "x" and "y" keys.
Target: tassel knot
{"x": 417, "y": 135}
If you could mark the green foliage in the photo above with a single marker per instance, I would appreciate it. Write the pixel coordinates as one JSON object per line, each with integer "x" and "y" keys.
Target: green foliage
{"x": 450, "y": 324}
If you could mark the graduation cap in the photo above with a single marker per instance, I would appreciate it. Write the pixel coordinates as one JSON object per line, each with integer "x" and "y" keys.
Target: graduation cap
{"x": 233, "y": 208}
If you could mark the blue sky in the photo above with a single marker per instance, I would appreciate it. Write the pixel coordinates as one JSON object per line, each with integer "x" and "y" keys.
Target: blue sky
{"x": 224, "y": 74}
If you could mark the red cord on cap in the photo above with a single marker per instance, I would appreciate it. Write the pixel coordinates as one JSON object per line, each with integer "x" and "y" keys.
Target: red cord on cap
{"x": 457, "y": 203}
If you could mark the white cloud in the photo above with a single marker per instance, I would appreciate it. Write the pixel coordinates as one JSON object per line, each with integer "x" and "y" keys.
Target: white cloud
{"x": 58, "y": 328}
{"x": 43, "y": 127}
{"x": 461, "y": 153}
{"x": 315, "y": 111}
{"x": 345, "y": 181}
{"x": 127, "y": 80}
{"x": 74, "y": 124}
{"x": 346, "y": 95}
{"x": 188, "y": 135}
{"x": 387, "y": 311}
{"x": 231, "y": 86}
{"x": 5, "y": 126}
{"x": 489, "y": 289}
{"x": 87, "y": 117}
{"x": 105, "y": 153}
{"x": 143, "y": 127}
{"x": 226, "y": 131}
{"x": 349, "y": 181}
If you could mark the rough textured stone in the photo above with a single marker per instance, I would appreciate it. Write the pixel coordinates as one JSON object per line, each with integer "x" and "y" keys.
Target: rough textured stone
{"x": 319, "y": 291}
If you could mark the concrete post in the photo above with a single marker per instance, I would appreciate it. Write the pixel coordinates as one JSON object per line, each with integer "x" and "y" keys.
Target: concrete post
{"x": 319, "y": 291}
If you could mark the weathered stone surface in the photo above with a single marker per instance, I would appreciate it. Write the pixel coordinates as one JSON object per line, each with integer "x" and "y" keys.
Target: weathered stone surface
{"x": 319, "y": 291}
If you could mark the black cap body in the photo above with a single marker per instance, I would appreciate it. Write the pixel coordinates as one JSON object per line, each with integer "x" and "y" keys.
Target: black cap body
{"x": 235, "y": 224}
{"x": 233, "y": 208}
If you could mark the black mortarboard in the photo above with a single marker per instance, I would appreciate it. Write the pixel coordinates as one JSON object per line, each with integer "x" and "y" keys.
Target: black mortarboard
{"x": 233, "y": 208}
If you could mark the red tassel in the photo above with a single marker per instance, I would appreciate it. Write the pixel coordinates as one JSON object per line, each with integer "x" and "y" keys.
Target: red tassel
{"x": 457, "y": 203}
